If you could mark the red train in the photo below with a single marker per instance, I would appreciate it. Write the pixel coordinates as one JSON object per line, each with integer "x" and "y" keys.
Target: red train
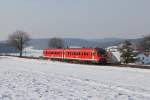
{"x": 88, "y": 55}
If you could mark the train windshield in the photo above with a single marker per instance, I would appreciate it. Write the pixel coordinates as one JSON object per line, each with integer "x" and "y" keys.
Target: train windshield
{"x": 101, "y": 51}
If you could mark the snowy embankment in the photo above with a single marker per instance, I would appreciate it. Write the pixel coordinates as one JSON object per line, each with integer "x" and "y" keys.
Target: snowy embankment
{"x": 26, "y": 79}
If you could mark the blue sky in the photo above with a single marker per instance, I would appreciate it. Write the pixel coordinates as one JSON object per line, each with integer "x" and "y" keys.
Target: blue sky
{"x": 75, "y": 18}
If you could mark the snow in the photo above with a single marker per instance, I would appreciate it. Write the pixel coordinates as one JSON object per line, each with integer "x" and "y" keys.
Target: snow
{"x": 29, "y": 52}
{"x": 27, "y": 79}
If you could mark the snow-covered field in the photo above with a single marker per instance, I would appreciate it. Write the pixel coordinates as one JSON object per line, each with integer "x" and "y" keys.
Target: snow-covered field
{"x": 26, "y": 79}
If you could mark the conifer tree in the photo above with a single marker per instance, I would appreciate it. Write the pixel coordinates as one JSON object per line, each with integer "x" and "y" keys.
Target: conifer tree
{"x": 127, "y": 53}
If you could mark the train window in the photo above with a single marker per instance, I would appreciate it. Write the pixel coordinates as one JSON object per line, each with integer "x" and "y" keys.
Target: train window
{"x": 94, "y": 53}
{"x": 82, "y": 53}
{"x": 78, "y": 53}
{"x": 101, "y": 51}
{"x": 86, "y": 53}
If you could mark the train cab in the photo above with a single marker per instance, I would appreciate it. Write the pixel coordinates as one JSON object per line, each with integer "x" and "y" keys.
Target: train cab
{"x": 101, "y": 55}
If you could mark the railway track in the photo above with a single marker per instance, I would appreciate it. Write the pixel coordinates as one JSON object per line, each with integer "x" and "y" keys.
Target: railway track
{"x": 111, "y": 65}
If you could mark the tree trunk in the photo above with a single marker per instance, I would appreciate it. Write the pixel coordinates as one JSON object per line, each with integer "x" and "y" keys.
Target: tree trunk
{"x": 21, "y": 45}
{"x": 20, "y": 53}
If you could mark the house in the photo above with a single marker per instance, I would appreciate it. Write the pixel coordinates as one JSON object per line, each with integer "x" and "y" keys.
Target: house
{"x": 113, "y": 54}
{"x": 143, "y": 58}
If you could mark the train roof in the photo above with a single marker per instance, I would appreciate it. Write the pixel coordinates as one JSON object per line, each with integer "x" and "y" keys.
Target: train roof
{"x": 76, "y": 49}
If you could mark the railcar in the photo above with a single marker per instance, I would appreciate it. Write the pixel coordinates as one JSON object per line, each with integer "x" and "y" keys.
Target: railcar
{"x": 53, "y": 53}
{"x": 89, "y": 55}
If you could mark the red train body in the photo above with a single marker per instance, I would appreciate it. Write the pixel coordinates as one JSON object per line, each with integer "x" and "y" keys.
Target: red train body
{"x": 97, "y": 55}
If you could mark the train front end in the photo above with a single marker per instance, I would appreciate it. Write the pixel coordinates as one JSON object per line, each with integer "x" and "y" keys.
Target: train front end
{"x": 101, "y": 55}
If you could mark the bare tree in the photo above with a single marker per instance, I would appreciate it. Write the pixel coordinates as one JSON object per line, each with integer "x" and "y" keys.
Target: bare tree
{"x": 56, "y": 43}
{"x": 145, "y": 43}
{"x": 18, "y": 40}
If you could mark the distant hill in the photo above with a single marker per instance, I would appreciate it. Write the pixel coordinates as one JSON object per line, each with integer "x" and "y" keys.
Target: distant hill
{"x": 69, "y": 42}
{"x": 75, "y": 42}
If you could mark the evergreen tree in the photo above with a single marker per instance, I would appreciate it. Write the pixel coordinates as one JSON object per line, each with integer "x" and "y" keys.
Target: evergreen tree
{"x": 127, "y": 53}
